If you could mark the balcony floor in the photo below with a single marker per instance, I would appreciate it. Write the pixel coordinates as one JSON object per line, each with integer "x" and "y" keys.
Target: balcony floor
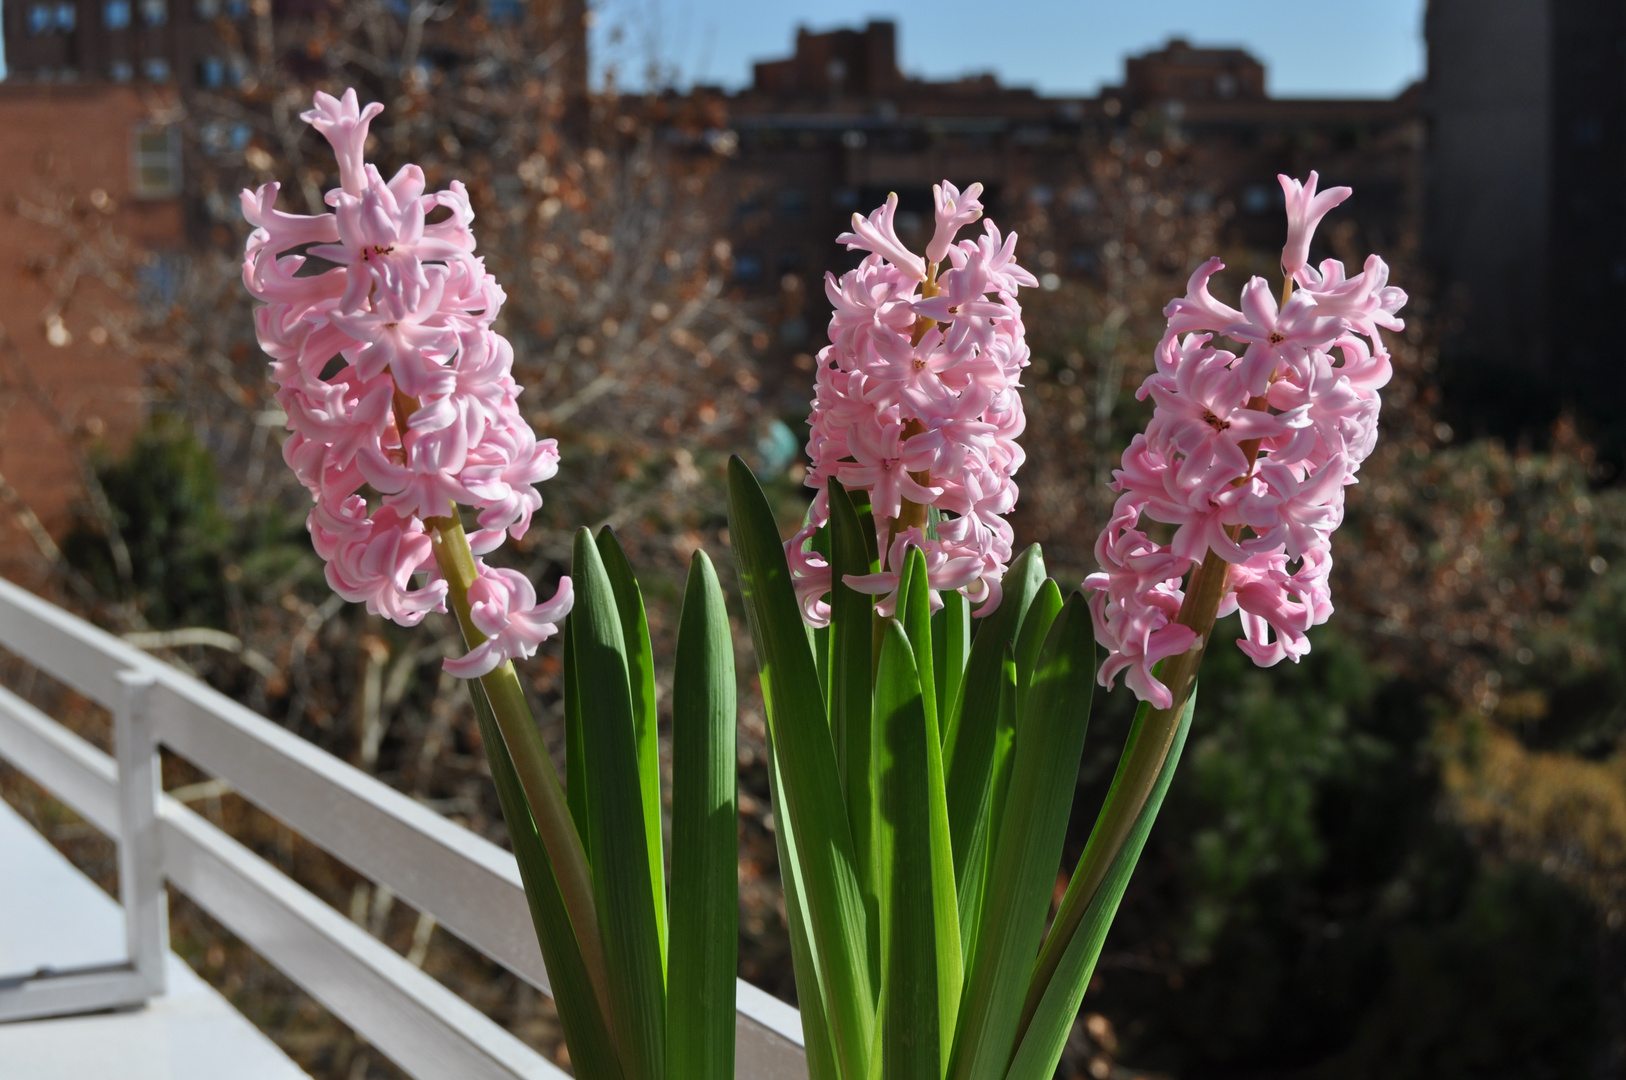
{"x": 52, "y": 914}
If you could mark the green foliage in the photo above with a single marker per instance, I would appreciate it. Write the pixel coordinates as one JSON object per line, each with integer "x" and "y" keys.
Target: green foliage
{"x": 624, "y": 882}
{"x": 705, "y": 910}
{"x": 808, "y": 796}
{"x": 1307, "y": 911}
{"x": 164, "y": 500}
{"x": 964, "y": 856}
{"x": 586, "y": 1028}
{"x": 1505, "y": 989}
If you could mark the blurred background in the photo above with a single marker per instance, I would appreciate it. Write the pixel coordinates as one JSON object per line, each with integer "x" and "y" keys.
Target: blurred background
{"x": 1404, "y": 857}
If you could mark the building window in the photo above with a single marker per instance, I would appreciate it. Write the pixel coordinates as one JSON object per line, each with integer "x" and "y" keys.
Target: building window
{"x": 155, "y": 69}
{"x": 793, "y": 202}
{"x": 67, "y": 17}
{"x": 120, "y": 71}
{"x": 219, "y": 138}
{"x": 154, "y": 12}
{"x": 156, "y": 161}
{"x": 211, "y": 73}
{"x": 505, "y": 11}
{"x": 206, "y": 10}
{"x": 116, "y": 14}
{"x": 39, "y": 19}
{"x": 747, "y": 267}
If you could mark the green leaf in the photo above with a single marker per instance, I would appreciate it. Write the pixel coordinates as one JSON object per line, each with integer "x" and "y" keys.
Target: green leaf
{"x": 1030, "y": 639}
{"x": 622, "y": 887}
{"x": 951, "y": 647}
{"x": 911, "y": 1023}
{"x": 973, "y": 881}
{"x": 915, "y": 612}
{"x": 705, "y": 837}
{"x": 821, "y": 1054}
{"x": 810, "y": 789}
{"x": 577, "y": 796}
{"x": 1041, "y": 615}
{"x": 587, "y": 1032}
{"x": 1027, "y": 848}
{"x": 852, "y": 667}
{"x": 629, "y": 602}
{"x": 1086, "y": 912}
{"x": 968, "y": 746}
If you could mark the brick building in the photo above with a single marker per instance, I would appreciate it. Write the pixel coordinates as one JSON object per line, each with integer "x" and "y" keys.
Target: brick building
{"x": 1526, "y": 209}
{"x": 836, "y": 126}
{"x": 153, "y": 42}
{"x": 83, "y": 161}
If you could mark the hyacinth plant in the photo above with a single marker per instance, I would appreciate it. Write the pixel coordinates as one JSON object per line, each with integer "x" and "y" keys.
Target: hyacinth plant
{"x": 378, "y": 319}
{"x": 928, "y": 694}
{"x": 927, "y": 688}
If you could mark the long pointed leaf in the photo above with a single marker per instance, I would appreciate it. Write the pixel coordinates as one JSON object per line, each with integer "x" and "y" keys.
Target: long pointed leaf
{"x": 968, "y": 746}
{"x": 821, "y": 1053}
{"x": 705, "y": 837}
{"x": 951, "y": 649}
{"x": 911, "y": 1021}
{"x": 1030, "y": 639}
{"x": 1027, "y": 850}
{"x": 915, "y": 612}
{"x": 587, "y": 1031}
{"x": 622, "y": 889}
{"x": 577, "y": 795}
{"x": 852, "y": 665}
{"x": 1078, "y": 939}
{"x": 1041, "y": 615}
{"x": 629, "y": 602}
{"x": 973, "y": 881}
{"x": 811, "y": 791}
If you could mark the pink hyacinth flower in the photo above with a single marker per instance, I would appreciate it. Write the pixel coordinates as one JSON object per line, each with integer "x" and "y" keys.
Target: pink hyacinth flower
{"x": 502, "y": 605}
{"x": 1305, "y": 209}
{"x": 409, "y": 309}
{"x": 916, "y": 404}
{"x": 1246, "y": 456}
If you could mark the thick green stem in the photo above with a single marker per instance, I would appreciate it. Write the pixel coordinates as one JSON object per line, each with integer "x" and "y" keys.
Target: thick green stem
{"x": 1144, "y": 758}
{"x": 535, "y": 769}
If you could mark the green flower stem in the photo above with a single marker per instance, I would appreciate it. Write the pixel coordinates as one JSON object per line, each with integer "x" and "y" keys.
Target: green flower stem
{"x": 1141, "y": 768}
{"x": 1145, "y": 758}
{"x": 531, "y": 761}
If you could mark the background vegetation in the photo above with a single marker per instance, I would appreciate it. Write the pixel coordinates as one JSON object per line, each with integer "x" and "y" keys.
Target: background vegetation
{"x": 1405, "y": 857}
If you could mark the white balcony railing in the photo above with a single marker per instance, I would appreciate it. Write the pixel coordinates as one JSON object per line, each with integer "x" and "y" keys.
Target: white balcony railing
{"x": 468, "y": 885}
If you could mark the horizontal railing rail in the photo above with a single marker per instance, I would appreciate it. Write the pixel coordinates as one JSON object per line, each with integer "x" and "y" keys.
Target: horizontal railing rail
{"x": 467, "y": 884}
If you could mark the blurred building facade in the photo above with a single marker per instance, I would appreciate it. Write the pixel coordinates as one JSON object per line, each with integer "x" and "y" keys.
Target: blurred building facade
{"x": 89, "y": 169}
{"x": 204, "y": 44}
{"x": 1526, "y": 195}
{"x": 152, "y": 42}
{"x": 114, "y": 116}
{"x": 834, "y": 127}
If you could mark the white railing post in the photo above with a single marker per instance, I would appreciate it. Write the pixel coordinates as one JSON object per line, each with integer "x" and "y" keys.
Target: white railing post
{"x": 471, "y": 886}
{"x": 141, "y": 857}
{"x": 65, "y": 991}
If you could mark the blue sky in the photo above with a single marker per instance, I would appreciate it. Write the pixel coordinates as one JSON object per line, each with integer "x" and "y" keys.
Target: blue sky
{"x": 1371, "y": 48}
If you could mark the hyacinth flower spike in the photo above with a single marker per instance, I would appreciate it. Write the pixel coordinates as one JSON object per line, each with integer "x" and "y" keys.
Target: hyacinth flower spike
{"x": 424, "y": 413}
{"x": 1247, "y": 456}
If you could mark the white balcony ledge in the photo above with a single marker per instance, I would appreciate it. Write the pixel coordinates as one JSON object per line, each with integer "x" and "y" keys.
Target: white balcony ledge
{"x": 470, "y": 886}
{"x": 51, "y": 915}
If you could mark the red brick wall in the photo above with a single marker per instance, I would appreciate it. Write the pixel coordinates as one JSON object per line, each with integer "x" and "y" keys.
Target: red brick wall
{"x": 60, "y": 144}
